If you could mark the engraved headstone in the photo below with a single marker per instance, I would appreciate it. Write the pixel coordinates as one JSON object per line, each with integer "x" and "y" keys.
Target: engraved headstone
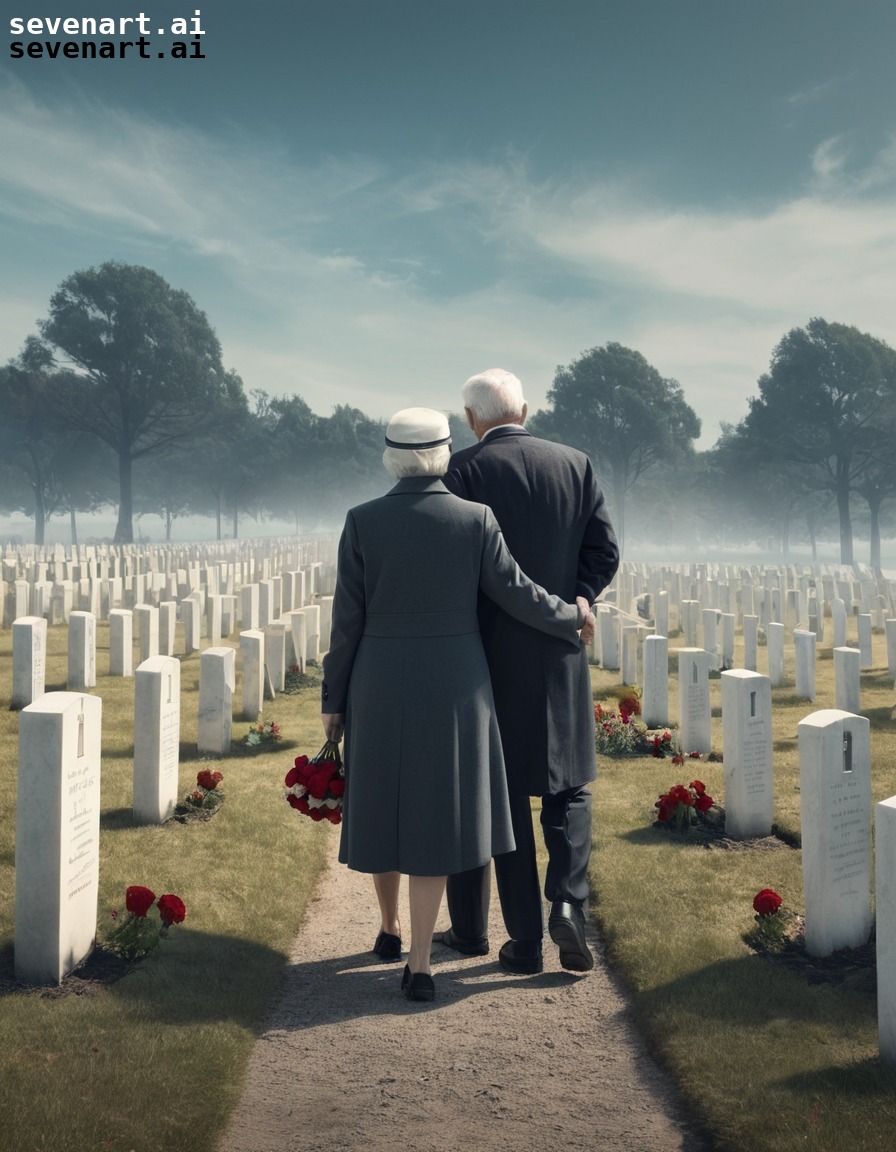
{"x": 57, "y": 835}
{"x": 695, "y": 712}
{"x": 747, "y": 754}
{"x": 847, "y": 679}
{"x": 81, "y": 651}
{"x": 216, "y": 688}
{"x": 655, "y": 697}
{"x": 252, "y": 661}
{"x": 29, "y": 659}
{"x": 885, "y": 918}
{"x": 156, "y": 739}
{"x": 804, "y": 659}
{"x": 835, "y": 817}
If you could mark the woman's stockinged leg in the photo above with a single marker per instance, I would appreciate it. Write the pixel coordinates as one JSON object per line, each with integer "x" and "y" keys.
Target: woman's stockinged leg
{"x": 386, "y": 885}
{"x": 425, "y": 896}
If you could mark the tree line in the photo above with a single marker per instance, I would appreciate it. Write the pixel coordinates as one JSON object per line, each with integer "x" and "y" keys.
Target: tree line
{"x": 121, "y": 399}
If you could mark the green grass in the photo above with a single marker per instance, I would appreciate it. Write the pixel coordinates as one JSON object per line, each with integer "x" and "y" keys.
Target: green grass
{"x": 155, "y": 1060}
{"x": 766, "y": 1061}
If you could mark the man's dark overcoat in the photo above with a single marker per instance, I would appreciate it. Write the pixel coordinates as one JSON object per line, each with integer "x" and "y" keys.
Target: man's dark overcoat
{"x": 551, "y": 511}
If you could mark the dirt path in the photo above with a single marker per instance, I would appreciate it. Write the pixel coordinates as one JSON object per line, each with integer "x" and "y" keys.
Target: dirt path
{"x": 496, "y": 1064}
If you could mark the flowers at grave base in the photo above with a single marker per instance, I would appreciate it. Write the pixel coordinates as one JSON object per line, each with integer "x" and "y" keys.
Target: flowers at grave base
{"x": 629, "y": 698}
{"x": 315, "y": 786}
{"x": 264, "y": 732}
{"x": 207, "y": 793}
{"x": 772, "y": 921}
{"x": 137, "y": 934}
{"x": 138, "y": 900}
{"x": 618, "y": 734}
{"x": 172, "y": 910}
{"x": 661, "y": 744}
{"x": 682, "y": 807}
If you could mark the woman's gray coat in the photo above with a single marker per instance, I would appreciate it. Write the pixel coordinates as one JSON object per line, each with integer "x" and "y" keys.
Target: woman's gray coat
{"x": 425, "y": 787}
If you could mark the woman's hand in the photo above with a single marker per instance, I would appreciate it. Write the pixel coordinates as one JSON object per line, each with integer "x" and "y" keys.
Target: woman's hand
{"x": 334, "y": 725}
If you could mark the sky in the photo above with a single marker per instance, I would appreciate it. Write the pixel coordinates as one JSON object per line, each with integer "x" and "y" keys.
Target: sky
{"x": 374, "y": 199}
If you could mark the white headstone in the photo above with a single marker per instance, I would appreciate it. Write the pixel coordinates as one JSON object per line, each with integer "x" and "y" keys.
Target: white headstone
{"x": 326, "y": 620}
{"x": 751, "y": 642}
{"x": 312, "y": 632}
{"x": 804, "y": 659}
{"x": 890, "y": 626}
{"x": 629, "y": 653}
{"x": 147, "y": 619}
{"x": 838, "y": 617}
{"x": 661, "y": 617}
{"x": 747, "y": 754}
{"x": 249, "y": 607}
{"x": 775, "y": 636}
{"x": 81, "y": 651}
{"x": 835, "y": 818}
{"x": 695, "y": 712}
{"x": 727, "y": 644}
{"x": 690, "y": 615}
{"x": 252, "y": 660}
{"x": 121, "y": 642}
{"x": 265, "y": 603}
{"x": 191, "y": 614}
{"x": 216, "y": 688}
{"x": 167, "y": 627}
{"x": 275, "y": 655}
{"x": 885, "y": 917}
{"x": 213, "y": 609}
{"x": 655, "y": 697}
{"x": 296, "y": 620}
{"x": 57, "y": 835}
{"x": 156, "y": 739}
{"x": 29, "y": 659}
{"x": 864, "y": 626}
{"x": 847, "y": 679}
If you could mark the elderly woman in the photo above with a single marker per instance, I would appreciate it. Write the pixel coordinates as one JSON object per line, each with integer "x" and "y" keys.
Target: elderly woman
{"x": 407, "y": 681}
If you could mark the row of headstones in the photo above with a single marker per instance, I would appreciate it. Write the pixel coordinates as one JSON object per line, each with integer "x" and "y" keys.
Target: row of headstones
{"x": 616, "y": 633}
{"x": 721, "y": 585}
{"x": 282, "y": 591}
{"x": 294, "y": 638}
{"x": 256, "y": 557}
{"x": 58, "y": 803}
{"x": 773, "y": 595}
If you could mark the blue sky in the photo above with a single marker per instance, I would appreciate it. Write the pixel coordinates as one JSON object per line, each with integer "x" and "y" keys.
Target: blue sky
{"x": 373, "y": 199}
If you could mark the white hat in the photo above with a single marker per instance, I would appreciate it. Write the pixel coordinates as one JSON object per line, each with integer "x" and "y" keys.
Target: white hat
{"x": 418, "y": 428}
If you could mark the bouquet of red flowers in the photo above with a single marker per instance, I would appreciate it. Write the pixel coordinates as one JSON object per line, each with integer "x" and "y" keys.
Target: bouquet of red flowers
{"x": 315, "y": 787}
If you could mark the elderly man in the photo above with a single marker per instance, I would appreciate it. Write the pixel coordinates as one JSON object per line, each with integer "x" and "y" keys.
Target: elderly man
{"x": 550, "y": 509}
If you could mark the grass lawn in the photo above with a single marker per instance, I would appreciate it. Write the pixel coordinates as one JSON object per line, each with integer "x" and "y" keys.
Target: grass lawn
{"x": 766, "y": 1060}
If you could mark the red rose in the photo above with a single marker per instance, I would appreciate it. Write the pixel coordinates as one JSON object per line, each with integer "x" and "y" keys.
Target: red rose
{"x": 318, "y": 785}
{"x": 678, "y": 759}
{"x": 703, "y": 802}
{"x": 138, "y": 899}
{"x": 337, "y": 786}
{"x": 767, "y": 902}
{"x": 694, "y": 755}
{"x": 295, "y": 776}
{"x": 208, "y": 779}
{"x": 698, "y": 786}
{"x": 171, "y": 908}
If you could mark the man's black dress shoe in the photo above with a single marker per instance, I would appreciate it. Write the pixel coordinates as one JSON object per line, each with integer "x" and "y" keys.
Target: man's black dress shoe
{"x": 521, "y": 957}
{"x": 478, "y": 947}
{"x": 566, "y": 925}
{"x": 417, "y": 985}
{"x": 387, "y": 946}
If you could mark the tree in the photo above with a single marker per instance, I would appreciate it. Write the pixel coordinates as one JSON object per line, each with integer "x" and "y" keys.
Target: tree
{"x": 617, "y": 408}
{"x": 824, "y": 404}
{"x": 61, "y": 473}
{"x": 144, "y": 364}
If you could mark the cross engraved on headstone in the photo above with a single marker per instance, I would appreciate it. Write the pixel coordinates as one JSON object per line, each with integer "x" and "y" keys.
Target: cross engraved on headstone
{"x": 170, "y": 679}
{"x": 694, "y": 674}
{"x": 81, "y": 731}
{"x": 752, "y": 704}
{"x": 847, "y": 751}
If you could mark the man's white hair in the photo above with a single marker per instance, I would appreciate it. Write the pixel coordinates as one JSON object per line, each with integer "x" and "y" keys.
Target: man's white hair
{"x": 402, "y": 462}
{"x": 494, "y": 395}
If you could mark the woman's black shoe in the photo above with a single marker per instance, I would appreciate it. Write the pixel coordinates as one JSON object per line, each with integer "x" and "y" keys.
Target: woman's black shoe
{"x": 387, "y": 946}
{"x": 417, "y": 986}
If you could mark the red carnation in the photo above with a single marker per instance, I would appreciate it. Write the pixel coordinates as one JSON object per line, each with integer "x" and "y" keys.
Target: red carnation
{"x": 767, "y": 902}
{"x": 294, "y": 776}
{"x": 318, "y": 785}
{"x": 138, "y": 899}
{"x": 208, "y": 779}
{"x": 698, "y": 786}
{"x": 337, "y": 786}
{"x": 172, "y": 909}
{"x": 317, "y": 813}
{"x": 334, "y": 815}
{"x": 704, "y": 802}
